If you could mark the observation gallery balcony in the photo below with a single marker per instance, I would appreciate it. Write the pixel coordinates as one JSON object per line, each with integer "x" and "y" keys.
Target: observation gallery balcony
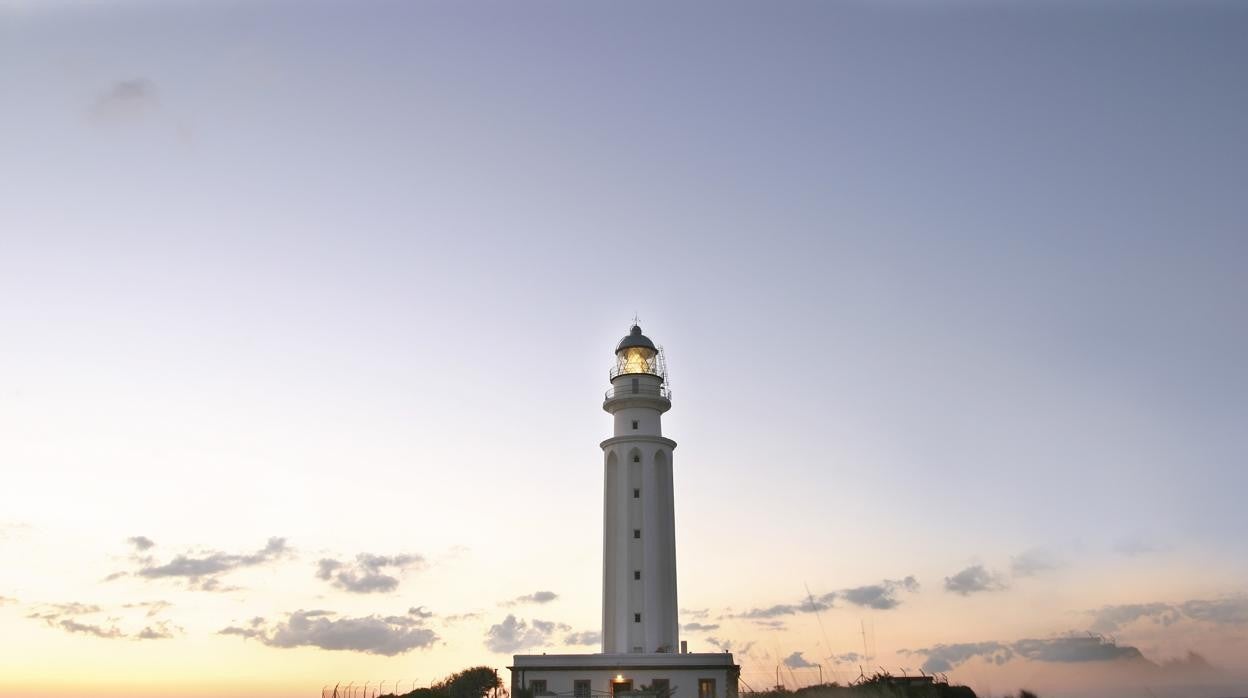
{"x": 621, "y": 391}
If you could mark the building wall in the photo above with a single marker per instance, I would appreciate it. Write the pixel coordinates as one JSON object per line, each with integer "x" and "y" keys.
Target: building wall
{"x": 682, "y": 676}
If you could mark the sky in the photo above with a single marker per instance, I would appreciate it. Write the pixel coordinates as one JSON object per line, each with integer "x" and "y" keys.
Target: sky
{"x": 308, "y": 307}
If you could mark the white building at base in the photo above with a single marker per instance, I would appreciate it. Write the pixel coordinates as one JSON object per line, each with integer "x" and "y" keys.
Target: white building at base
{"x": 641, "y": 648}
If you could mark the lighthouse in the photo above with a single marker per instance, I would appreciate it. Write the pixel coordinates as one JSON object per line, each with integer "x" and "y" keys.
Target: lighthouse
{"x": 639, "y": 611}
{"x": 642, "y": 656}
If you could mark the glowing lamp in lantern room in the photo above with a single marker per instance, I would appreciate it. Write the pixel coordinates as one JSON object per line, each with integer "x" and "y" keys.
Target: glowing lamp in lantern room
{"x": 636, "y": 354}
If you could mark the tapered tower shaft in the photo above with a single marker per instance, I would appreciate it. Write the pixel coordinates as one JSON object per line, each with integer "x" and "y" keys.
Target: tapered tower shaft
{"x": 639, "y": 611}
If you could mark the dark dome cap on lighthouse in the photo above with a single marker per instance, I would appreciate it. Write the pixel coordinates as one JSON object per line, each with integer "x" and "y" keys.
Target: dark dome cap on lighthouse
{"x": 635, "y": 339}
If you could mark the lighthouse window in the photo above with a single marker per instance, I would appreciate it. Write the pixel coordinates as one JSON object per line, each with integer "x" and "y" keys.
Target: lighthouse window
{"x": 636, "y": 617}
{"x": 636, "y": 574}
{"x": 636, "y": 493}
{"x": 636, "y": 458}
{"x": 635, "y": 423}
{"x": 636, "y": 385}
{"x": 636, "y": 533}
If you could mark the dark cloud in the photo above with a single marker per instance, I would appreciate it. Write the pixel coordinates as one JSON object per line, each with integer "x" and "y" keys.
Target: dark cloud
{"x": 141, "y": 543}
{"x": 881, "y": 596}
{"x": 847, "y": 658}
{"x": 974, "y": 579}
{"x": 696, "y": 613}
{"x": 1031, "y": 562}
{"x": 587, "y": 637}
{"x": 797, "y": 661}
{"x": 536, "y": 597}
{"x": 1071, "y": 649}
{"x": 700, "y": 627}
{"x": 203, "y": 571}
{"x": 70, "y": 625}
{"x": 368, "y": 573}
{"x": 513, "y": 634}
{"x": 387, "y": 636}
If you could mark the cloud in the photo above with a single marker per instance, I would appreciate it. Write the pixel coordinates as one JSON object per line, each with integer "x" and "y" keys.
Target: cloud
{"x": 696, "y": 613}
{"x": 457, "y": 617}
{"x": 1031, "y": 562}
{"x": 881, "y": 596}
{"x": 808, "y": 605}
{"x": 945, "y": 657}
{"x": 69, "y": 618}
{"x": 367, "y": 574}
{"x": 141, "y": 543}
{"x": 5, "y": 600}
{"x": 126, "y": 99}
{"x": 535, "y": 597}
{"x": 153, "y": 607}
{"x": 387, "y": 636}
{"x": 729, "y": 645}
{"x": 1137, "y": 544}
{"x": 974, "y": 579}
{"x": 769, "y": 623}
{"x": 700, "y": 627}
{"x": 588, "y": 637}
{"x": 512, "y": 634}
{"x": 1070, "y": 649}
{"x": 1110, "y": 618}
{"x": 1232, "y": 610}
{"x": 847, "y": 658}
{"x": 203, "y": 571}
{"x": 1227, "y": 611}
{"x": 797, "y": 661}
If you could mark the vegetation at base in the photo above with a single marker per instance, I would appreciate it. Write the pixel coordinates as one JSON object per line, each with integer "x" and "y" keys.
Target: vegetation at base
{"x": 881, "y": 685}
{"x": 477, "y": 682}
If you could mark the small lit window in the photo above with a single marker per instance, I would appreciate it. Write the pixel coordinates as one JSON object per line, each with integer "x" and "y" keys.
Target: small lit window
{"x": 636, "y": 423}
{"x": 636, "y": 493}
{"x": 636, "y": 617}
{"x": 636, "y": 574}
{"x": 636, "y": 533}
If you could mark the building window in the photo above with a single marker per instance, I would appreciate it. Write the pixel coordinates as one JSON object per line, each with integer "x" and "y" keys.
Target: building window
{"x": 635, "y": 423}
{"x": 537, "y": 686}
{"x": 636, "y": 533}
{"x": 580, "y": 688}
{"x": 636, "y": 385}
{"x": 706, "y": 688}
{"x": 661, "y": 687}
{"x": 623, "y": 685}
{"x": 636, "y": 457}
{"x": 636, "y": 493}
{"x": 636, "y": 574}
{"x": 636, "y": 617}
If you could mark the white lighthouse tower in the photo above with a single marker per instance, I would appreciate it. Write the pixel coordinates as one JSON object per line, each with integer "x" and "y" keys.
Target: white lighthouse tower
{"x": 639, "y": 611}
{"x": 642, "y": 656}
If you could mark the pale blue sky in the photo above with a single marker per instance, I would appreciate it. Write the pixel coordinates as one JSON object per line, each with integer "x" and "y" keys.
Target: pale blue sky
{"x": 937, "y": 284}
